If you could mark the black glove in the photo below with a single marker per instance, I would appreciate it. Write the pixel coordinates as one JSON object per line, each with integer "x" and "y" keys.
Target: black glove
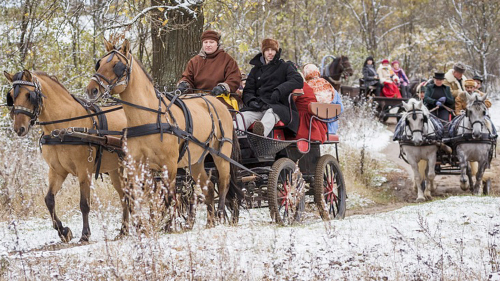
{"x": 254, "y": 104}
{"x": 183, "y": 86}
{"x": 218, "y": 90}
{"x": 275, "y": 96}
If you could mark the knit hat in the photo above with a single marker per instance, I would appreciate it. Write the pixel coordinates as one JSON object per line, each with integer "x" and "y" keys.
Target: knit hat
{"x": 470, "y": 83}
{"x": 311, "y": 71}
{"x": 395, "y": 61}
{"x": 270, "y": 43}
{"x": 385, "y": 61}
{"x": 210, "y": 35}
{"x": 459, "y": 67}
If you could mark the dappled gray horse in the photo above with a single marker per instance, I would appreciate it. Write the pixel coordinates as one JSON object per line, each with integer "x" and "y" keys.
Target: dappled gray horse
{"x": 475, "y": 139}
{"x": 418, "y": 133}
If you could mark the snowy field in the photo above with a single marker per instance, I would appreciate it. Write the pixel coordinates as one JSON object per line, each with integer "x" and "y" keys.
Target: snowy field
{"x": 452, "y": 239}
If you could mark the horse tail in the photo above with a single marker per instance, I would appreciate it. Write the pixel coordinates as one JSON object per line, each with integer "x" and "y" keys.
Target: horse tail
{"x": 235, "y": 193}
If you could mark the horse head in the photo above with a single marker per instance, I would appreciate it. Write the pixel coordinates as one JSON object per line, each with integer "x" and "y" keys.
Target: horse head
{"x": 347, "y": 68}
{"x": 26, "y": 100}
{"x": 476, "y": 112}
{"x": 416, "y": 121}
{"x": 112, "y": 71}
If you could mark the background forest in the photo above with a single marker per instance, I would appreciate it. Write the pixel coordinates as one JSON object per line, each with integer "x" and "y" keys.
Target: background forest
{"x": 64, "y": 37}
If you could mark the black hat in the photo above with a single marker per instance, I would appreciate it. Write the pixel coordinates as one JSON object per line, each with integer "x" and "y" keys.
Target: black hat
{"x": 439, "y": 76}
{"x": 478, "y": 77}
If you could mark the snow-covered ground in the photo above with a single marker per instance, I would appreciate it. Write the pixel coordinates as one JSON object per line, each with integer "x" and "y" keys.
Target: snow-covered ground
{"x": 452, "y": 239}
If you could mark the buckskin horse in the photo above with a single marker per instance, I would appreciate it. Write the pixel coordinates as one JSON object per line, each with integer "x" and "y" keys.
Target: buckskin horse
{"x": 161, "y": 131}
{"x": 38, "y": 96}
{"x": 339, "y": 68}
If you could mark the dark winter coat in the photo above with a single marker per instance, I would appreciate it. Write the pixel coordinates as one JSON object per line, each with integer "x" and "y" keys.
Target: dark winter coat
{"x": 430, "y": 100}
{"x": 369, "y": 74}
{"x": 264, "y": 79}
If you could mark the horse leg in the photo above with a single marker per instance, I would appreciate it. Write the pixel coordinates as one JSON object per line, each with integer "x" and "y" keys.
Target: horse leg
{"x": 199, "y": 174}
{"x": 479, "y": 178}
{"x": 85, "y": 206}
{"x": 223, "y": 168}
{"x": 55, "y": 184}
{"x": 463, "y": 168}
{"x": 471, "y": 172}
{"x": 115, "y": 179}
{"x": 431, "y": 163}
{"x": 419, "y": 178}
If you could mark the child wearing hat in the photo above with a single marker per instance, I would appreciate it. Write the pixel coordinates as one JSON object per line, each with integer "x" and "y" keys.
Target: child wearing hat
{"x": 387, "y": 78}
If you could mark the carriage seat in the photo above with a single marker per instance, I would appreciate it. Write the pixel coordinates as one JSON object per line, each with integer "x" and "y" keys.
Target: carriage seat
{"x": 324, "y": 110}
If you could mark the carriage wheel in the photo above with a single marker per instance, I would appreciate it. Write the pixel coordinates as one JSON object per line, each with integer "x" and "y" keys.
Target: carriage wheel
{"x": 286, "y": 192}
{"x": 329, "y": 188}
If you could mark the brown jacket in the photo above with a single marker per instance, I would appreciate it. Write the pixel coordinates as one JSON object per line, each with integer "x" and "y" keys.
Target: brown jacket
{"x": 204, "y": 72}
{"x": 453, "y": 83}
{"x": 461, "y": 102}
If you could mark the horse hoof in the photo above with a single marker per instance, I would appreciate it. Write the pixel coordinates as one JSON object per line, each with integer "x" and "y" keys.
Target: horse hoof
{"x": 66, "y": 235}
{"x": 464, "y": 186}
{"x": 428, "y": 198}
{"x": 420, "y": 200}
{"x": 84, "y": 238}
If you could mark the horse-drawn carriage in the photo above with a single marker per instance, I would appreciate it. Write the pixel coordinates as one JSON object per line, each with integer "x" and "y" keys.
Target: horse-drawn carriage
{"x": 271, "y": 169}
{"x": 384, "y": 106}
{"x": 464, "y": 146}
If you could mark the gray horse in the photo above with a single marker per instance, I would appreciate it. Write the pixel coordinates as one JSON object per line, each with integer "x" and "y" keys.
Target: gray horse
{"x": 417, "y": 134}
{"x": 476, "y": 141}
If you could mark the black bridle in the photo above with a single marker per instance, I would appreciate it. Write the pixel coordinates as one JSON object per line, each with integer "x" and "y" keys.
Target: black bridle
{"x": 480, "y": 103}
{"x": 35, "y": 97}
{"x": 414, "y": 113}
{"x": 121, "y": 70}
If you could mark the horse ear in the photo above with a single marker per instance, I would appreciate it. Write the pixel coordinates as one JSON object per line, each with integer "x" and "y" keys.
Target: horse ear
{"x": 9, "y": 76}
{"x": 469, "y": 96}
{"x": 419, "y": 104}
{"x": 109, "y": 47}
{"x": 126, "y": 47}
{"x": 406, "y": 106}
{"x": 483, "y": 98}
{"x": 27, "y": 75}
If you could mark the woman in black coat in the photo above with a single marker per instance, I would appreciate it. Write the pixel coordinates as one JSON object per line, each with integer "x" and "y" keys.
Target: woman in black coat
{"x": 266, "y": 92}
{"x": 370, "y": 75}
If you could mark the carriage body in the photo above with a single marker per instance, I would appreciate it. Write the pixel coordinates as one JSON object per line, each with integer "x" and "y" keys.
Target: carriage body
{"x": 276, "y": 162}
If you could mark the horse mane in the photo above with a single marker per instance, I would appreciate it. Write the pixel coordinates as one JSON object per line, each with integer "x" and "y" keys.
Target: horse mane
{"x": 144, "y": 70}
{"x": 51, "y": 77}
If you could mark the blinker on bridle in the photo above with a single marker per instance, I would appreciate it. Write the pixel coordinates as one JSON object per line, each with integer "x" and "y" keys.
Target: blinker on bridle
{"x": 120, "y": 70}
{"x": 35, "y": 98}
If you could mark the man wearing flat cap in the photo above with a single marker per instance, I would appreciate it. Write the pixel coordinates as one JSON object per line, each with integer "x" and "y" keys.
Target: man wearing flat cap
{"x": 212, "y": 70}
{"x": 266, "y": 92}
{"x": 455, "y": 79}
{"x": 461, "y": 100}
{"x": 438, "y": 98}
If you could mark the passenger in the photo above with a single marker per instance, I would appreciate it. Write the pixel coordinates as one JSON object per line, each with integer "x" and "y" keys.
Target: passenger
{"x": 455, "y": 79}
{"x": 266, "y": 92}
{"x": 318, "y": 129}
{"x": 324, "y": 92}
{"x": 370, "y": 75}
{"x": 387, "y": 78}
{"x": 403, "y": 79}
{"x": 212, "y": 70}
{"x": 461, "y": 100}
{"x": 479, "y": 81}
{"x": 438, "y": 95}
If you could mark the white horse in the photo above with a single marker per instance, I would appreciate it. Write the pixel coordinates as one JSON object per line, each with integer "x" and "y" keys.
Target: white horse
{"x": 477, "y": 144}
{"x": 417, "y": 140}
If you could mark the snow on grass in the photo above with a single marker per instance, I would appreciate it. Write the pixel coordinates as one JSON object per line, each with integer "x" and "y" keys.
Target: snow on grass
{"x": 449, "y": 239}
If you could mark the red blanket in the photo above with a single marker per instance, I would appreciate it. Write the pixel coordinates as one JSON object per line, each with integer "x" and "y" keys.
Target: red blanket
{"x": 390, "y": 90}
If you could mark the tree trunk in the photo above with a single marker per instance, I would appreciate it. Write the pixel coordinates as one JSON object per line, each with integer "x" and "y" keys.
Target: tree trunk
{"x": 175, "y": 43}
